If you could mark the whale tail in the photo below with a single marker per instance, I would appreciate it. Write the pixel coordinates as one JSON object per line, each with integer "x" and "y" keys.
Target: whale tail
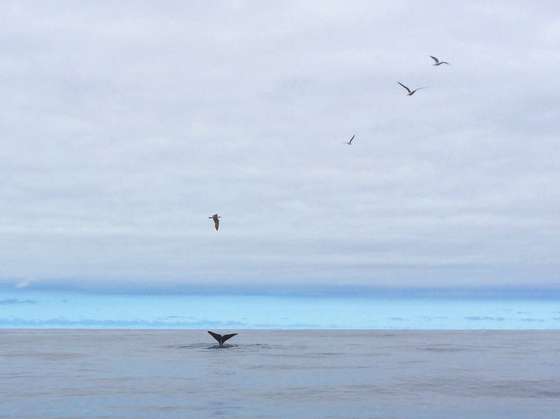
{"x": 221, "y": 338}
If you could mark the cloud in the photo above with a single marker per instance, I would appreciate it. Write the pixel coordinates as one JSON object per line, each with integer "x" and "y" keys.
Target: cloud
{"x": 126, "y": 125}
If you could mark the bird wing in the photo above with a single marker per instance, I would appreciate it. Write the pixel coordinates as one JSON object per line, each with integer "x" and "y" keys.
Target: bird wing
{"x": 434, "y": 58}
{"x": 404, "y": 86}
{"x": 351, "y": 139}
{"x": 226, "y": 337}
{"x": 216, "y": 336}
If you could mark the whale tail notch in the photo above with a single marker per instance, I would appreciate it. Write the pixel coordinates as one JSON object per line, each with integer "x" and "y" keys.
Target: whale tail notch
{"x": 221, "y": 338}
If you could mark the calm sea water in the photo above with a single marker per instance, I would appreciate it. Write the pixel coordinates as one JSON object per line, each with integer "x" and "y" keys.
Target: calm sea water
{"x": 41, "y": 309}
{"x": 279, "y": 374}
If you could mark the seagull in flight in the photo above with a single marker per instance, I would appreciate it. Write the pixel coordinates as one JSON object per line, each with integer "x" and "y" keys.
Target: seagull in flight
{"x": 216, "y": 219}
{"x": 437, "y": 61}
{"x": 410, "y": 92}
{"x": 349, "y": 142}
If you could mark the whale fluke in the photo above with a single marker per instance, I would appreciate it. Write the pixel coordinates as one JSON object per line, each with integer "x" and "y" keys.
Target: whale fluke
{"x": 221, "y": 338}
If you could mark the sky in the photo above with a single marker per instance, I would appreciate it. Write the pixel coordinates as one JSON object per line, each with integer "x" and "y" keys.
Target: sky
{"x": 126, "y": 124}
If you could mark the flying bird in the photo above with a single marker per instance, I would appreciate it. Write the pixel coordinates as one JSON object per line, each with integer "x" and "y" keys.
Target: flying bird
{"x": 437, "y": 61}
{"x": 349, "y": 142}
{"x": 216, "y": 219}
{"x": 221, "y": 338}
{"x": 410, "y": 92}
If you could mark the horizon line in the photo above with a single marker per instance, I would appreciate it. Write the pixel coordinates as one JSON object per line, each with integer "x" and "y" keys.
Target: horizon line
{"x": 288, "y": 290}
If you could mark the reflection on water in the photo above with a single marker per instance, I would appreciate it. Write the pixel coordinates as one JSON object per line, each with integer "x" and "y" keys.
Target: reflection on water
{"x": 278, "y": 374}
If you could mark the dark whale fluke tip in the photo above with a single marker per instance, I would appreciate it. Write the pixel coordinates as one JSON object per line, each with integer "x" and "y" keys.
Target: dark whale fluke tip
{"x": 221, "y": 338}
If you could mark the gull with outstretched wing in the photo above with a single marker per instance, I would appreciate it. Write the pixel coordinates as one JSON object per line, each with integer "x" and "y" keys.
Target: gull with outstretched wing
{"x": 216, "y": 219}
{"x": 437, "y": 61}
{"x": 410, "y": 91}
{"x": 349, "y": 142}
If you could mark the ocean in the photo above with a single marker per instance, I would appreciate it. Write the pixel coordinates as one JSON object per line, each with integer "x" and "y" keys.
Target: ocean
{"x": 279, "y": 374}
{"x": 68, "y": 354}
{"x": 64, "y": 309}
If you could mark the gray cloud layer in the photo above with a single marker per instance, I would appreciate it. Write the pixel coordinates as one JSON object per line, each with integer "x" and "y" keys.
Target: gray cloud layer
{"x": 125, "y": 124}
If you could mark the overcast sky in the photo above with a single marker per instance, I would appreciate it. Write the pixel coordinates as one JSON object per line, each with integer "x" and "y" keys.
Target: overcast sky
{"x": 126, "y": 124}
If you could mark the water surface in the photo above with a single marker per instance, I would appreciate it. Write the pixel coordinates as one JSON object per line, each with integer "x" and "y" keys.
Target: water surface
{"x": 63, "y": 309}
{"x": 279, "y": 374}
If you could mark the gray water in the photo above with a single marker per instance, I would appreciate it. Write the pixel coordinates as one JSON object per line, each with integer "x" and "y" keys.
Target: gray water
{"x": 277, "y": 374}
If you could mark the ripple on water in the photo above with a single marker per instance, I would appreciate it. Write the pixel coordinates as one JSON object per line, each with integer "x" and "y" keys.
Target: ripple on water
{"x": 209, "y": 347}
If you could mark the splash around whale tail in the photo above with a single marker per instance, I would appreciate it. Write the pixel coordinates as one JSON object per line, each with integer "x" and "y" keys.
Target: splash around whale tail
{"x": 221, "y": 338}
